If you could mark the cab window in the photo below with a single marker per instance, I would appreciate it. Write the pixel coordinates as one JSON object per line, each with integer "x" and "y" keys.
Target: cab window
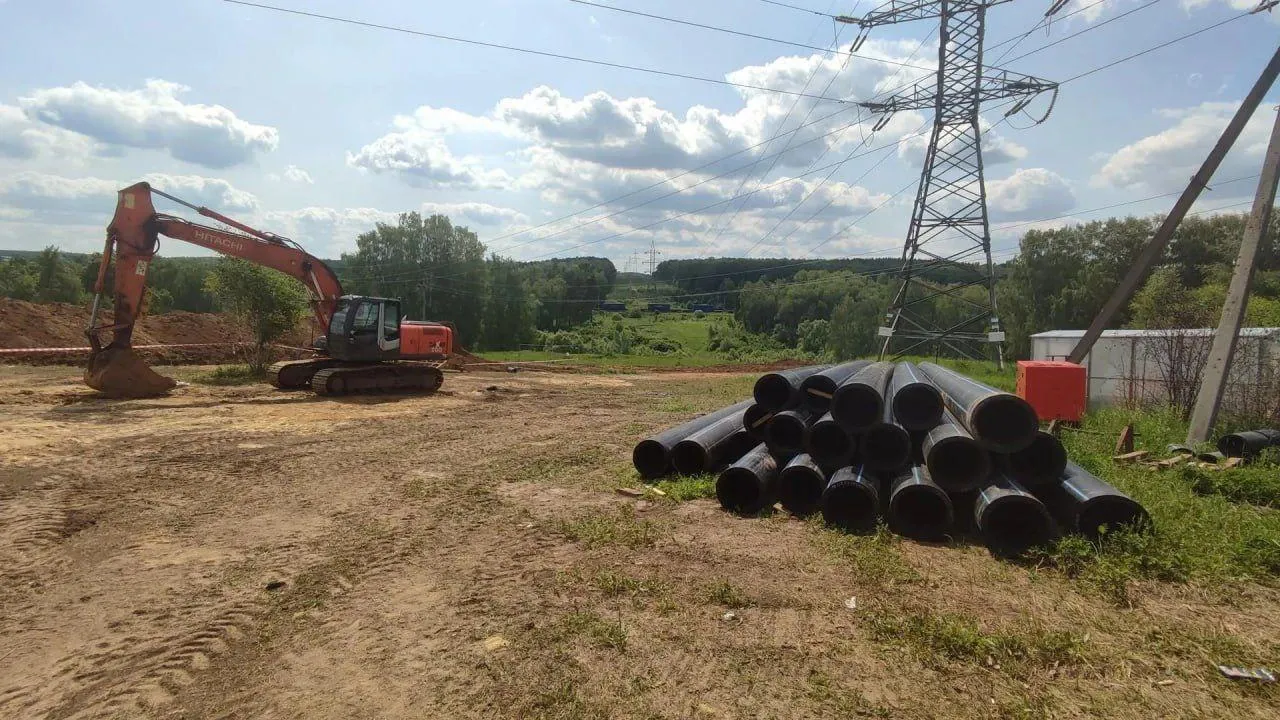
{"x": 391, "y": 321}
{"x": 366, "y": 319}
{"x": 338, "y": 323}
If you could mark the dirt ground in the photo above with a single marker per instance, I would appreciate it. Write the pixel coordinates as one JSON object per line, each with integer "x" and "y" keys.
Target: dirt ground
{"x": 236, "y": 552}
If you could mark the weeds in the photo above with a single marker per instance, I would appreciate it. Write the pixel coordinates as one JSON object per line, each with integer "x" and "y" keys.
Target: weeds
{"x": 230, "y": 375}
{"x": 614, "y": 584}
{"x": 941, "y": 639}
{"x": 621, "y": 528}
{"x": 873, "y": 558}
{"x": 600, "y": 632}
{"x": 726, "y": 594}
{"x": 689, "y": 487}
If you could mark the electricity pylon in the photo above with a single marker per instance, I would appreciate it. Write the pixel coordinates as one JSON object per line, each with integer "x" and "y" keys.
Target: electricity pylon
{"x": 949, "y": 227}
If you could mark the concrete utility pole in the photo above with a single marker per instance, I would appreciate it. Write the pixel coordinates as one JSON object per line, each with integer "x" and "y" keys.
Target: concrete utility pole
{"x": 1209, "y": 399}
{"x": 1155, "y": 247}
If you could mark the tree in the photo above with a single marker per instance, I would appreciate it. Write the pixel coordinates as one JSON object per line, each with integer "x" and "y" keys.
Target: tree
{"x": 268, "y": 302}
{"x": 18, "y": 279}
{"x": 56, "y": 280}
{"x": 510, "y": 308}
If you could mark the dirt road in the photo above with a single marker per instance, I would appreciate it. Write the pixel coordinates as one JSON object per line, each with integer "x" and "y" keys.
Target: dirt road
{"x": 242, "y": 553}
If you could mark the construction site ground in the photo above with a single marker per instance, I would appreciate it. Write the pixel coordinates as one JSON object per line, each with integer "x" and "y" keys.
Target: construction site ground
{"x": 238, "y": 552}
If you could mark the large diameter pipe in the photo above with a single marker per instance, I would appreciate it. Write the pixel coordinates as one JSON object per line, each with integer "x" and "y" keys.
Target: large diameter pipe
{"x": 1249, "y": 443}
{"x": 955, "y": 460}
{"x": 719, "y": 443}
{"x": 800, "y": 485}
{"x": 829, "y": 443}
{"x": 652, "y": 456}
{"x": 781, "y": 390}
{"x": 1085, "y": 504}
{"x": 817, "y": 390}
{"x": 851, "y": 500}
{"x": 917, "y": 404}
{"x": 1009, "y": 519}
{"x": 755, "y": 419}
{"x": 859, "y": 401}
{"x": 886, "y": 446}
{"x": 999, "y": 421}
{"x": 1038, "y": 464}
{"x": 786, "y": 431}
{"x": 747, "y": 486}
{"x": 918, "y": 507}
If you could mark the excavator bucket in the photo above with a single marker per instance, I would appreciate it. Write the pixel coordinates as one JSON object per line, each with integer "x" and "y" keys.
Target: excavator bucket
{"x": 120, "y": 373}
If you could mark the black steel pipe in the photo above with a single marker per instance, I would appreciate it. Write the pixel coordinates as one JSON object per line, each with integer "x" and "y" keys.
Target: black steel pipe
{"x": 1009, "y": 519}
{"x": 886, "y": 446}
{"x": 851, "y": 500}
{"x": 859, "y": 401}
{"x": 1038, "y": 464}
{"x": 652, "y": 456}
{"x": 817, "y": 390}
{"x": 918, "y": 507}
{"x": 955, "y": 460}
{"x": 747, "y": 486}
{"x": 715, "y": 445}
{"x": 1085, "y": 504}
{"x": 1249, "y": 443}
{"x": 999, "y": 421}
{"x": 917, "y": 404}
{"x": 756, "y": 419}
{"x": 786, "y": 430}
{"x": 781, "y": 390}
{"x": 829, "y": 443}
{"x": 800, "y": 485}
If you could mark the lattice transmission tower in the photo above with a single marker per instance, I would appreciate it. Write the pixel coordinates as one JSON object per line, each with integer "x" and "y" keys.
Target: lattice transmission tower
{"x": 949, "y": 229}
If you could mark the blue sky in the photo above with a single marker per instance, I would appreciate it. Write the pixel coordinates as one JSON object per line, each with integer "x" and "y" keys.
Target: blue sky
{"x": 317, "y": 130}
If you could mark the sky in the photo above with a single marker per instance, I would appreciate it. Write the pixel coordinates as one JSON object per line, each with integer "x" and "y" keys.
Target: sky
{"x": 317, "y": 130}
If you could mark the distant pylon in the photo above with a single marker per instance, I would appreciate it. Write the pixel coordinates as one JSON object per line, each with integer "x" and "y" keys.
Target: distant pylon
{"x": 949, "y": 226}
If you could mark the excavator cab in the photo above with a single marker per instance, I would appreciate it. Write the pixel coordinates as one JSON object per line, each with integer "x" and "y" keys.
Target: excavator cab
{"x": 364, "y": 329}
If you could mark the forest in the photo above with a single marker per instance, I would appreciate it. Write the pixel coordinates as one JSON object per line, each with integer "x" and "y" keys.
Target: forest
{"x": 827, "y": 308}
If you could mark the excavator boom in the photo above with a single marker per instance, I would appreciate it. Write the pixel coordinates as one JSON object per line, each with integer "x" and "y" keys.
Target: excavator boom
{"x": 133, "y": 237}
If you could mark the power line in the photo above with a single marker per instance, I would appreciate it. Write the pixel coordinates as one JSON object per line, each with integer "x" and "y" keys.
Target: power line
{"x": 738, "y": 33}
{"x": 527, "y": 51}
{"x": 1153, "y": 48}
{"x": 797, "y": 7}
{"x": 1095, "y": 26}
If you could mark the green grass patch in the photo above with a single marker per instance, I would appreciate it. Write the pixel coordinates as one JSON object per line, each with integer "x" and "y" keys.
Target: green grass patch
{"x": 938, "y": 640}
{"x": 873, "y": 558}
{"x": 614, "y": 583}
{"x": 689, "y": 487}
{"x": 1205, "y": 528}
{"x": 729, "y": 595}
{"x": 230, "y": 375}
{"x": 595, "y": 629}
{"x": 602, "y": 529}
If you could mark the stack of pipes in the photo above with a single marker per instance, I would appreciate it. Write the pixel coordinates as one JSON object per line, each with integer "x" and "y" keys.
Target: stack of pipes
{"x": 862, "y": 440}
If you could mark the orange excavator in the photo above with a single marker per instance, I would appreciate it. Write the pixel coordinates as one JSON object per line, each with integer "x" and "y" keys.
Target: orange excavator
{"x": 366, "y": 346}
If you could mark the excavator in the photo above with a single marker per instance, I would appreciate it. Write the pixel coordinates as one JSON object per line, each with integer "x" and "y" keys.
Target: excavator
{"x": 366, "y": 346}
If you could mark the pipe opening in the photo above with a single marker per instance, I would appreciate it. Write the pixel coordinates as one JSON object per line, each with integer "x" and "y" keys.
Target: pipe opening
{"x": 850, "y": 507}
{"x": 773, "y": 391}
{"x": 857, "y": 407}
{"x": 650, "y": 458}
{"x": 818, "y": 390}
{"x": 886, "y": 447}
{"x": 738, "y": 490}
{"x": 786, "y": 432}
{"x": 917, "y": 406}
{"x": 1041, "y": 462}
{"x": 829, "y": 442}
{"x": 921, "y": 512}
{"x": 958, "y": 463}
{"x": 1232, "y": 445}
{"x": 756, "y": 419}
{"x": 1005, "y": 423}
{"x": 801, "y": 490}
{"x": 688, "y": 457}
{"x": 1108, "y": 512}
{"x": 1013, "y": 524}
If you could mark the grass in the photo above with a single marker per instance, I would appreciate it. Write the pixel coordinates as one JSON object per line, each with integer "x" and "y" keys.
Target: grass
{"x": 689, "y": 487}
{"x": 224, "y": 375}
{"x": 1209, "y": 527}
{"x": 598, "y": 631}
{"x": 602, "y": 529}
{"x": 614, "y": 584}
{"x": 729, "y": 595}
{"x": 938, "y": 640}
{"x": 873, "y": 558}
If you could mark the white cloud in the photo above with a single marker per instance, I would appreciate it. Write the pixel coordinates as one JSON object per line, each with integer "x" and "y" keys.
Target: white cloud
{"x": 82, "y": 199}
{"x": 1166, "y": 160}
{"x": 424, "y": 160}
{"x": 996, "y": 148}
{"x": 1029, "y": 193}
{"x": 1234, "y": 4}
{"x": 22, "y": 139}
{"x": 476, "y": 213}
{"x": 292, "y": 173}
{"x": 152, "y": 118}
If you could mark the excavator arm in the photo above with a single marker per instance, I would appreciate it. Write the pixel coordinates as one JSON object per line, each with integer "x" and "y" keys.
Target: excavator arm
{"x": 133, "y": 237}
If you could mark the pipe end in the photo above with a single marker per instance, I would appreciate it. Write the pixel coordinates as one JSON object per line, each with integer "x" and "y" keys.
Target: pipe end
{"x": 1003, "y": 422}
{"x": 738, "y": 490}
{"x": 1014, "y": 524}
{"x": 650, "y": 459}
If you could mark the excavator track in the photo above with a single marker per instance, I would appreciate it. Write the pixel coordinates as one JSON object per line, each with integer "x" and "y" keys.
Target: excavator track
{"x": 297, "y": 374}
{"x": 383, "y": 377}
